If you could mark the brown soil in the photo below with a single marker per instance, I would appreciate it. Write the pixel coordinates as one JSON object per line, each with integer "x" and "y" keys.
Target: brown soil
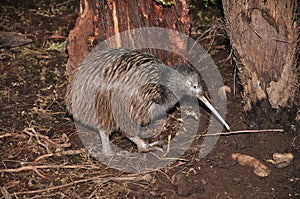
{"x": 41, "y": 153}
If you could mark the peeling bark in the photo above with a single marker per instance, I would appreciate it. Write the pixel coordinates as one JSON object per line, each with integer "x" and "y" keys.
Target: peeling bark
{"x": 264, "y": 35}
{"x": 77, "y": 40}
{"x": 100, "y": 20}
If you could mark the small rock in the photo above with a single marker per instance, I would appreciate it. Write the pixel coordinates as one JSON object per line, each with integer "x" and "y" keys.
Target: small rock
{"x": 187, "y": 185}
{"x": 236, "y": 180}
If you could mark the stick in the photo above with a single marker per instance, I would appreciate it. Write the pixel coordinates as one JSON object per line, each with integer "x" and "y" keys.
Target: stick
{"x": 32, "y": 167}
{"x": 32, "y": 133}
{"x": 103, "y": 178}
{"x": 69, "y": 152}
{"x": 36, "y": 167}
{"x": 5, "y": 193}
{"x": 5, "y": 135}
{"x": 244, "y": 131}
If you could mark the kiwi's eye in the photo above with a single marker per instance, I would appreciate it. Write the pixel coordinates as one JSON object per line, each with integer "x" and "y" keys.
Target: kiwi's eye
{"x": 195, "y": 86}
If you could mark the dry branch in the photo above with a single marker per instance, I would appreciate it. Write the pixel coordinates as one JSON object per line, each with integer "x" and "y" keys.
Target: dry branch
{"x": 69, "y": 152}
{"x": 31, "y": 165}
{"x": 244, "y": 131}
{"x": 5, "y": 135}
{"x": 46, "y": 141}
{"x": 100, "y": 178}
{"x": 5, "y": 193}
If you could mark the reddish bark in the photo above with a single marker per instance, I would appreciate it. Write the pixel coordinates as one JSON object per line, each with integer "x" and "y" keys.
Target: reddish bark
{"x": 100, "y": 20}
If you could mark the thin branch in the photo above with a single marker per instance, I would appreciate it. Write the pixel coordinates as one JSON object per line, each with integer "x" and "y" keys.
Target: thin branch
{"x": 32, "y": 133}
{"x": 5, "y": 135}
{"x": 32, "y": 167}
{"x": 244, "y": 132}
{"x": 36, "y": 167}
{"x": 69, "y": 152}
{"x": 102, "y": 178}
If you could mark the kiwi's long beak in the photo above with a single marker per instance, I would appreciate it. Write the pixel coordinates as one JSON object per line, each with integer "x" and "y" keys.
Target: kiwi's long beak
{"x": 213, "y": 110}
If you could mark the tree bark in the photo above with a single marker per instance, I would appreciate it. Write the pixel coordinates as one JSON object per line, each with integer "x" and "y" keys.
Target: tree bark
{"x": 264, "y": 37}
{"x": 102, "y": 19}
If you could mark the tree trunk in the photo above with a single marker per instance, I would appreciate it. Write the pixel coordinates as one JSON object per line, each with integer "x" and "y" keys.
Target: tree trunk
{"x": 264, "y": 35}
{"x": 100, "y": 20}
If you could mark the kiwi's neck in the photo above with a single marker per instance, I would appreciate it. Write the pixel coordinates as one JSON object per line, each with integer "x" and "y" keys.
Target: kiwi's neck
{"x": 175, "y": 82}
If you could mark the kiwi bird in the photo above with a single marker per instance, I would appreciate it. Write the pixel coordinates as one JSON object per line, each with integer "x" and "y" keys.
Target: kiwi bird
{"x": 124, "y": 89}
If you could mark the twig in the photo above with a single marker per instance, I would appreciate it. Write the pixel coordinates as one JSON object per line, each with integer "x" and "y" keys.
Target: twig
{"x": 5, "y": 135}
{"x": 244, "y": 131}
{"x": 69, "y": 152}
{"x": 103, "y": 178}
{"x": 5, "y": 193}
{"x": 32, "y": 167}
{"x": 56, "y": 37}
{"x": 63, "y": 3}
{"x": 27, "y": 130}
{"x": 32, "y": 133}
{"x": 36, "y": 167}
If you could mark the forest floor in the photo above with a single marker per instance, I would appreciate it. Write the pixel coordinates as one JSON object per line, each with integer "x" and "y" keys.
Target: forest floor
{"x": 42, "y": 156}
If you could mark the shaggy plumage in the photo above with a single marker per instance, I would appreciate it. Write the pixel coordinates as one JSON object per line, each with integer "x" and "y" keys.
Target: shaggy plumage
{"x": 124, "y": 89}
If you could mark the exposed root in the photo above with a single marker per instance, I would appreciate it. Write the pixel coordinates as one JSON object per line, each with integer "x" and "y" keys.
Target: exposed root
{"x": 69, "y": 152}
{"x": 5, "y": 135}
{"x": 5, "y": 193}
{"x": 31, "y": 165}
{"x": 99, "y": 178}
{"x": 46, "y": 141}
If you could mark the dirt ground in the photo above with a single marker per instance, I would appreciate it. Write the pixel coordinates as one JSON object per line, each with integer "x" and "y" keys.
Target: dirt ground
{"x": 41, "y": 153}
